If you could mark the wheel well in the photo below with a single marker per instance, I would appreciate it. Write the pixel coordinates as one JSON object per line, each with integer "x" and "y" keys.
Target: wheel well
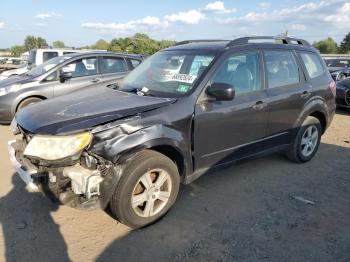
{"x": 36, "y": 96}
{"x": 173, "y": 154}
{"x": 322, "y": 118}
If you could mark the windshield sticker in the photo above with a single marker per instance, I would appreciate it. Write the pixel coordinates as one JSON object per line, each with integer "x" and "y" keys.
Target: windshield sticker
{"x": 183, "y": 78}
{"x": 183, "y": 88}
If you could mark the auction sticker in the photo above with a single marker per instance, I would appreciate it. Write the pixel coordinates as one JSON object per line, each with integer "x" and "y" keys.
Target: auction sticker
{"x": 183, "y": 78}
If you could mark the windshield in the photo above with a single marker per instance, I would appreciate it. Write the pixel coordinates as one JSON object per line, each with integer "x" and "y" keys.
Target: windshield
{"x": 168, "y": 73}
{"x": 43, "y": 68}
{"x": 338, "y": 62}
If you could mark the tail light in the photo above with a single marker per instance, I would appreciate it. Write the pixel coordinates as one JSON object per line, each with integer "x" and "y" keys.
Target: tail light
{"x": 333, "y": 87}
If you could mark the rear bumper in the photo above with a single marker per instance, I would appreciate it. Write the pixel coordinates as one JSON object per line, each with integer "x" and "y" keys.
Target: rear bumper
{"x": 24, "y": 172}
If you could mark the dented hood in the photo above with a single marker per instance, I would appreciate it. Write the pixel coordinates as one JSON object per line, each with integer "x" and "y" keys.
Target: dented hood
{"x": 84, "y": 109}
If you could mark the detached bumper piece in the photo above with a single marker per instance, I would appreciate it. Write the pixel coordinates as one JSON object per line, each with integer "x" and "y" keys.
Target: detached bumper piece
{"x": 24, "y": 172}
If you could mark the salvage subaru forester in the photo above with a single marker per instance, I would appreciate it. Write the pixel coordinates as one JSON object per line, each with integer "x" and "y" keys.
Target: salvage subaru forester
{"x": 186, "y": 110}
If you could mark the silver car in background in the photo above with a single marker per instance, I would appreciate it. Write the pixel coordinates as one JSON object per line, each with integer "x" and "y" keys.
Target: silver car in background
{"x": 62, "y": 75}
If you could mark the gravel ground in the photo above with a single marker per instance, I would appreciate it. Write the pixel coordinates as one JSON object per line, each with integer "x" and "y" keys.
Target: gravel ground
{"x": 263, "y": 210}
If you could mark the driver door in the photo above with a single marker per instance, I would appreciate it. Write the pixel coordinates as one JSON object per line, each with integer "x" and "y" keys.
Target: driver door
{"x": 84, "y": 72}
{"x": 230, "y": 130}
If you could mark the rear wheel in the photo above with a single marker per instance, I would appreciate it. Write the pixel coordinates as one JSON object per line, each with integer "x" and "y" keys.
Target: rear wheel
{"x": 27, "y": 102}
{"x": 147, "y": 189}
{"x": 307, "y": 141}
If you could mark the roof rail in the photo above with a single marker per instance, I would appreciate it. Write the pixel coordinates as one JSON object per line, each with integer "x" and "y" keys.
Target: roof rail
{"x": 277, "y": 40}
{"x": 198, "y": 41}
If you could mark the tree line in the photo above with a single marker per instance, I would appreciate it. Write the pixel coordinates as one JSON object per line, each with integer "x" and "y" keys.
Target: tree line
{"x": 137, "y": 44}
{"x": 143, "y": 44}
{"x": 329, "y": 46}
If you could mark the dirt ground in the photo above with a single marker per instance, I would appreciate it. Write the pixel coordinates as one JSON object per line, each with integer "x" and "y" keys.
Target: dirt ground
{"x": 255, "y": 211}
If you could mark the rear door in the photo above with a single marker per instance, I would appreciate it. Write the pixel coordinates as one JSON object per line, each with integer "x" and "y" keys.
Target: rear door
{"x": 287, "y": 91}
{"x": 113, "y": 69}
{"x": 84, "y": 73}
{"x": 230, "y": 130}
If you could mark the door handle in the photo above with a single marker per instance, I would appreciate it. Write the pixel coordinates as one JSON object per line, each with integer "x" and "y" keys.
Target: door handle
{"x": 259, "y": 105}
{"x": 95, "y": 80}
{"x": 305, "y": 94}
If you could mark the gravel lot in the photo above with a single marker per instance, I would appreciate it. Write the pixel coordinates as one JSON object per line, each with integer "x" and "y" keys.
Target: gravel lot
{"x": 255, "y": 211}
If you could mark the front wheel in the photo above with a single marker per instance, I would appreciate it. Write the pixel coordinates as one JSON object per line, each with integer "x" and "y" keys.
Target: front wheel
{"x": 147, "y": 189}
{"x": 28, "y": 101}
{"x": 307, "y": 141}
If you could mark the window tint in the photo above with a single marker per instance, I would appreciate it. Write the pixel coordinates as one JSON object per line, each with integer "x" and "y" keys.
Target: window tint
{"x": 113, "y": 65}
{"x": 135, "y": 62}
{"x": 49, "y": 55}
{"x": 82, "y": 67}
{"x": 313, "y": 64}
{"x": 242, "y": 71}
{"x": 281, "y": 67}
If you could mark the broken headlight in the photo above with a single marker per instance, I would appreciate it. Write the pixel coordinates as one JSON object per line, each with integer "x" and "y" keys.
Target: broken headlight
{"x": 57, "y": 147}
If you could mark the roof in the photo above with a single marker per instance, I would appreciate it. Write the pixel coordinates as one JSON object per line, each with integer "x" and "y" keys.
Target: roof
{"x": 254, "y": 40}
{"x": 102, "y": 53}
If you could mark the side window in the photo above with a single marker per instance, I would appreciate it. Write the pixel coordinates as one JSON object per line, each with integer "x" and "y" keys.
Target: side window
{"x": 49, "y": 55}
{"x": 312, "y": 64}
{"x": 52, "y": 77}
{"x": 281, "y": 68}
{"x": 242, "y": 71}
{"x": 134, "y": 62}
{"x": 82, "y": 67}
{"x": 113, "y": 65}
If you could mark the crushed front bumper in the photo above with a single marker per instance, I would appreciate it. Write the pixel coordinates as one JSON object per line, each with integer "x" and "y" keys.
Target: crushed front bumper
{"x": 24, "y": 172}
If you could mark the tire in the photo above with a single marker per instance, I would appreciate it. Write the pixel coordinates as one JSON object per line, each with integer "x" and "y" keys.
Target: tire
{"x": 145, "y": 164}
{"x": 298, "y": 153}
{"x": 27, "y": 102}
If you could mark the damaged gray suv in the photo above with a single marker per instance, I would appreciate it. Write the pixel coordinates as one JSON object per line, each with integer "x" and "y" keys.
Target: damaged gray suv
{"x": 183, "y": 112}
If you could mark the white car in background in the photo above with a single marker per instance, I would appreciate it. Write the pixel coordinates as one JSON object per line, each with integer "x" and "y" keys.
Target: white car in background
{"x": 36, "y": 57}
{"x": 14, "y": 72}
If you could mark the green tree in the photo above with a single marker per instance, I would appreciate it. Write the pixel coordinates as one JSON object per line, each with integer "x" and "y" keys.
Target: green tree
{"x": 100, "y": 45}
{"x": 58, "y": 44}
{"x": 31, "y": 42}
{"x": 326, "y": 46}
{"x": 138, "y": 44}
{"x": 345, "y": 45}
{"x": 17, "y": 50}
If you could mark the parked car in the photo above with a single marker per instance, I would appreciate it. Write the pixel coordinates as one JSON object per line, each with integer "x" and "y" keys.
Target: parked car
{"x": 338, "y": 67}
{"x": 38, "y": 56}
{"x": 11, "y": 63}
{"x": 34, "y": 58}
{"x": 343, "y": 94}
{"x": 130, "y": 146}
{"x": 23, "y": 68}
{"x": 62, "y": 75}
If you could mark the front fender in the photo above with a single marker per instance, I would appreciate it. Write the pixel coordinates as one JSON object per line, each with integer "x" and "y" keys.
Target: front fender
{"x": 117, "y": 144}
{"x": 121, "y": 143}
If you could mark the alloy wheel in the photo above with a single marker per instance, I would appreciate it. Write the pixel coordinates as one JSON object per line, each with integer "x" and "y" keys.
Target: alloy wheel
{"x": 309, "y": 141}
{"x": 151, "y": 193}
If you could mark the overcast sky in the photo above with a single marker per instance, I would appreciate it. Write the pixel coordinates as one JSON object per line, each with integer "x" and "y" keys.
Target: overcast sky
{"x": 80, "y": 22}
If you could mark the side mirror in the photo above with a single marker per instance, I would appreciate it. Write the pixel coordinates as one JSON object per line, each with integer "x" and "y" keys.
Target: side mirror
{"x": 221, "y": 91}
{"x": 64, "y": 76}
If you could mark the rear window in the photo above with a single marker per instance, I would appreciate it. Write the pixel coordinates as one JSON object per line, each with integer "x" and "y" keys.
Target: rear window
{"x": 135, "y": 62}
{"x": 48, "y": 55}
{"x": 312, "y": 64}
{"x": 32, "y": 56}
